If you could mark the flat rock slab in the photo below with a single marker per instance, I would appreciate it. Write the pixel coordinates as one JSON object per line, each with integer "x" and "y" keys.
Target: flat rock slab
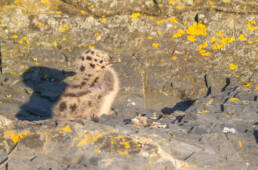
{"x": 188, "y": 97}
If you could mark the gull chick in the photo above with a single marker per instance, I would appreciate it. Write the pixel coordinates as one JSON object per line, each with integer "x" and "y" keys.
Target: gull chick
{"x": 93, "y": 91}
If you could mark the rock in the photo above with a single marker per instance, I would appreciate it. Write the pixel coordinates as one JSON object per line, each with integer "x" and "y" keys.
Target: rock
{"x": 192, "y": 63}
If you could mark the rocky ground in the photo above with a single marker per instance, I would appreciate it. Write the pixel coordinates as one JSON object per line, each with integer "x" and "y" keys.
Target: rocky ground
{"x": 189, "y": 84}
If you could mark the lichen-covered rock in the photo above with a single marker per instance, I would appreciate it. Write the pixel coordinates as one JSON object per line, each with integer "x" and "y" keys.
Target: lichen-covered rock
{"x": 189, "y": 66}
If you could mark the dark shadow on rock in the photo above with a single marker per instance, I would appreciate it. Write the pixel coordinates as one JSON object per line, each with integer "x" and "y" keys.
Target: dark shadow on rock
{"x": 256, "y": 135}
{"x": 181, "y": 106}
{"x": 47, "y": 84}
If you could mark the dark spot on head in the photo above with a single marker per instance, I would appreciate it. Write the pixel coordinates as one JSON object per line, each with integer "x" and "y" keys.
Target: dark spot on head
{"x": 99, "y": 97}
{"x": 103, "y": 67}
{"x": 82, "y": 68}
{"x": 88, "y": 58}
{"x": 83, "y": 83}
{"x": 101, "y": 61}
{"x": 89, "y": 75}
{"x": 92, "y": 65}
{"x": 89, "y": 103}
{"x": 92, "y": 52}
{"x": 82, "y": 58}
{"x": 62, "y": 106}
{"x": 73, "y": 107}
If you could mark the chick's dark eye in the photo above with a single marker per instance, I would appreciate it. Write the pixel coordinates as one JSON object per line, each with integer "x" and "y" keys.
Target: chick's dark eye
{"x": 101, "y": 61}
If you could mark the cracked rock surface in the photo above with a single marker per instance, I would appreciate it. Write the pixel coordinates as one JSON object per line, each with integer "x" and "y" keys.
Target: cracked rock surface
{"x": 189, "y": 84}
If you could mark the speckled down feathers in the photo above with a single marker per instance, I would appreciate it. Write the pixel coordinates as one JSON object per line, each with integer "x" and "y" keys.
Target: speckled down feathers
{"x": 94, "y": 91}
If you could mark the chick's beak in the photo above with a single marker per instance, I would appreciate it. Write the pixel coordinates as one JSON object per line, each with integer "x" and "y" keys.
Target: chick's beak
{"x": 114, "y": 60}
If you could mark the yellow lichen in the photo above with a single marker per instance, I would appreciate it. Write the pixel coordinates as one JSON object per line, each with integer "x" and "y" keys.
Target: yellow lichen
{"x": 222, "y": 42}
{"x": 8, "y": 95}
{"x": 135, "y": 15}
{"x": 194, "y": 30}
{"x": 149, "y": 37}
{"x": 205, "y": 111}
{"x": 64, "y": 28}
{"x": 89, "y": 139}
{"x": 14, "y": 36}
{"x": 82, "y": 12}
{"x": 248, "y": 84}
{"x": 250, "y": 25}
{"x": 44, "y": 1}
{"x": 180, "y": 6}
{"x": 241, "y": 37}
{"x": 179, "y": 33}
{"x": 171, "y": 2}
{"x": 58, "y": 12}
{"x": 232, "y": 99}
{"x": 16, "y": 136}
{"x": 233, "y": 66}
{"x": 155, "y": 45}
{"x": 91, "y": 46}
{"x": 65, "y": 129}
{"x": 103, "y": 18}
{"x": 55, "y": 44}
{"x": 160, "y": 21}
{"x": 202, "y": 51}
{"x": 174, "y": 57}
{"x": 173, "y": 19}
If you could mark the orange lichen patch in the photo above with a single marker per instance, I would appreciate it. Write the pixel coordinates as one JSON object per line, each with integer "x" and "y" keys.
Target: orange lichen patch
{"x": 155, "y": 45}
{"x": 240, "y": 144}
{"x": 241, "y": 37}
{"x": 220, "y": 34}
{"x": 96, "y": 34}
{"x": 91, "y": 46}
{"x": 194, "y": 30}
{"x": 202, "y": 51}
{"x": 179, "y": 33}
{"x": 160, "y": 21}
{"x": 89, "y": 139}
{"x": 174, "y": 57}
{"x": 233, "y": 66}
{"x": 149, "y": 37}
{"x": 248, "y": 84}
{"x": 232, "y": 99}
{"x": 256, "y": 87}
{"x": 16, "y": 136}
{"x": 222, "y": 42}
{"x": 250, "y": 25}
{"x": 20, "y": 41}
{"x": 64, "y": 28}
{"x": 135, "y": 15}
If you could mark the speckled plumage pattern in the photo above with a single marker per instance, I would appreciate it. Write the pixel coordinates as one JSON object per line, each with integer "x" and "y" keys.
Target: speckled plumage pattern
{"x": 93, "y": 92}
